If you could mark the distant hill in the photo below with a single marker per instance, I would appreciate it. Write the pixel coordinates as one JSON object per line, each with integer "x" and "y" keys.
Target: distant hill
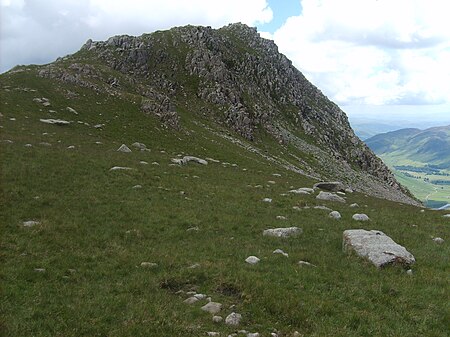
{"x": 430, "y": 146}
{"x": 420, "y": 160}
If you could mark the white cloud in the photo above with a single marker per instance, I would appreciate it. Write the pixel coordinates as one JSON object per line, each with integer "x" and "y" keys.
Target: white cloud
{"x": 40, "y": 31}
{"x": 372, "y": 51}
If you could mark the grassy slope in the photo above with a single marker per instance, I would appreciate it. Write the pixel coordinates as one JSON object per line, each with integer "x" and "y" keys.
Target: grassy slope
{"x": 86, "y": 211}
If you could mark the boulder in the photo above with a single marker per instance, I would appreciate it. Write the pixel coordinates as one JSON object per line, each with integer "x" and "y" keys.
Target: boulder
{"x": 233, "y": 319}
{"x": 187, "y": 159}
{"x": 335, "y": 215}
{"x": 279, "y": 251}
{"x": 438, "y": 240}
{"x": 267, "y": 200}
{"x": 329, "y": 197}
{"x": 283, "y": 232}
{"x": 300, "y": 191}
{"x": 30, "y": 223}
{"x": 212, "y": 307}
{"x": 360, "y": 217}
{"x": 252, "y": 260}
{"x": 139, "y": 146}
{"x": 332, "y": 186}
{"x": 377, "y": 247}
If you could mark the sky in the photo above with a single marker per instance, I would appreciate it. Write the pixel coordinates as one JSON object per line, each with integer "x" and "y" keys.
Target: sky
{"x": 385, "y": 59}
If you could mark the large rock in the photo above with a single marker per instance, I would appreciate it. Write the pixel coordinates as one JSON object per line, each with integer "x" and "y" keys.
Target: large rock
{"x": 283, "y": 232}
{"x": 233, "y": 319}
{"x": 329, "y": 197}
{"x": 212, "y": 307}
{"x": 123, "y": 148}
{"x": 332, "y": 186}
{"x": 377, "y": 247}
{"x": 360, "y": 217}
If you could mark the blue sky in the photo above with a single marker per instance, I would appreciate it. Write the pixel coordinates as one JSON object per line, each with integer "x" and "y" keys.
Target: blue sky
{"x": 377, "y": 58}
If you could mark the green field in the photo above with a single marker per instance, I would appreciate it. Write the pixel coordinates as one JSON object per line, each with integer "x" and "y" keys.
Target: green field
{"x": 419, "y": 183}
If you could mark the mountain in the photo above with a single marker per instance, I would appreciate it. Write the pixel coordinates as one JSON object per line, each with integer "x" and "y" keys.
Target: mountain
{"x": 365, "y": 130}
{"x": 232, "y": 78}
{"x": 139, "y": 174}
{"x": 420, "y": 159}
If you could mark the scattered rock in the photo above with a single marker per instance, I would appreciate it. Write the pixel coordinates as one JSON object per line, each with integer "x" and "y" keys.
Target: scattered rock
{"x": 135, "y": 187}
{"x": 279, "y": 251}
{"x": 447, "y": 216}
{"x": 28, "y": 145}
{"x": 354, "y": 205}
{"x": 212, "y": 307}
{"x": 252, "y": 260}
{"x": 348, "y": 190}
{"x": 267, "y": 200}
{"x": 329, "y": 196}
{"x": 233, "y": 319}
{"x": 143, "y": 162}
{"x": 360, "y": 217}
{"x": 123, "y": 148}
{"x": 409, "y": 272}
{"x": 305, "y": 263}
{"x": 155, "y": 163}
{"x": 30, "y": 223}
{"x": 438, "y": 240}
{"x": 335, "y": 215}
{"x": 191, "y": 300}
{"x": 99, "y": 126}
{"x": 139, "y": 146}
{"x": 118, "y": 168}
{"x": 213, "y": 334}
{"x": 332, "y": 186}
{"x": 283, "y": 232}
{"x": 271, "y": 182}
{"x": 253, "y": 334}
{"x": 71, "y": 147}
{"x": 276, "y": 174}
{"x": 54, "y": 121}
{"x": 194, "y": 266}
{"x": 45, "y": 144}
{"x": 281, "y": 217}
{"x": 39, "y": 270}
{"x": 148, "y": 264}
{"x": 190, "y": 229}
{"x": 187, "y": 159}
{"x": 217, "y": 319}
{"x": 377, "y": 247}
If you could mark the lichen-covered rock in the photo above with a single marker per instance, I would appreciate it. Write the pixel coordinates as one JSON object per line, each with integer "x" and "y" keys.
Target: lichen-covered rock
{"x": 377, "y": 247}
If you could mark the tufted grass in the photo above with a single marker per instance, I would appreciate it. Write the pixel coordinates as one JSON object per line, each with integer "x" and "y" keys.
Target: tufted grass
{"x": 95, "y": 230}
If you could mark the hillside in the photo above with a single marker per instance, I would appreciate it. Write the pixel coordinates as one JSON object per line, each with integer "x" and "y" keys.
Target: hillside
{"x": 101, "y": 242}
{"x": 420, "y": 159}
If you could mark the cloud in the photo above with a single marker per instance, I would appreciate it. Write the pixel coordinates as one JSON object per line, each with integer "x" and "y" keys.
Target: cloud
{"x": 40, "y": 31}
{"x": 372, "y": 51}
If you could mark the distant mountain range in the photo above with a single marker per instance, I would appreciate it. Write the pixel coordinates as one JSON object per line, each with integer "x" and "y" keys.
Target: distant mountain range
{"x": 430, "y": 146}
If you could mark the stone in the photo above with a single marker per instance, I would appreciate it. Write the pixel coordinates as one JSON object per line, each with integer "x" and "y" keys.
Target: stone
{"x": 360, "y": 217}
{"x": 438, "y": 240}
{"x": 377, "y": 247}
{"x": 139, "y": 146}
{"x": 252, "y": 260}
{"x": 30, "y": 223}
{"x": 409, "y": 272}
{"x": 212, "y": 334}
{"x": 143, "y": 162}
{"x": 271, "y": 182}
{"x": 72, "y": 110}
{"x": 123, "y": 148}
{"x": 187, "y": 159}
{"x": 281, "y": 217}
{"x": 148, "y": 264}
{"x": 279, "y": 251}
{"x": 354, "y": 205}
{"x": 233, "y": 319}
{"x": 28, "y": 145}
{"x": 99, "y": 126}
{"x": 332, "y": 186}
{"x": 299, "y": 191}
{"x": 348, "y": 190}
{"x": 71, "y": 147}
{"x": 135, "y": 187}
{"x": 283, "y": 232}
{"x": 447, "y": 216}
{"x": 212, "y": 307}
{"x": 267, "y": 200}
{"x": 191, "y": 300}
{"x": 119, "y": 168}
{"x": 306, "y": 263}
{"x": 253, "y": 334}
{"x": 54, "y": 121}
{"x": 276, "y": 174}
{"x": 335, "y": 215}
{"x": 217, "y": 319}
{"x": 323, "y": 208}
{"x": 329, "y": 197}
{"x": 200, "y": 296}
{"x": 39, "y": 270}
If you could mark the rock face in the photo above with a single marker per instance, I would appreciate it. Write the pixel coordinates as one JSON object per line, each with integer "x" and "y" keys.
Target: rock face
{"x": 377, "y": 247}
{"x": 283, "y": 232}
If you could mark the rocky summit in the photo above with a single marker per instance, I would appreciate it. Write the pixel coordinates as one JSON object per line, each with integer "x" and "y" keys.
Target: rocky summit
{"x": 232, "y": 77}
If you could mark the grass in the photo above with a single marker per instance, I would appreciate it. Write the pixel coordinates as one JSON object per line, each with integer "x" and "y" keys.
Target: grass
{"x": 95, "y": 230}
